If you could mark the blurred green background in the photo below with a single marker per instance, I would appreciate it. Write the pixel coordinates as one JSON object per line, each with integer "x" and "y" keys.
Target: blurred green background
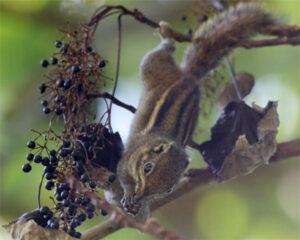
{"x": 262, "y": 206}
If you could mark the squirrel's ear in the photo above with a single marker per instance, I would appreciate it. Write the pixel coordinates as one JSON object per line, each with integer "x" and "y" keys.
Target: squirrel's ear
{"x": 162, "y": 147}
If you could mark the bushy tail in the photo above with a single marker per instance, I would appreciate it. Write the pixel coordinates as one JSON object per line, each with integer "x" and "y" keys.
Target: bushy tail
{"x": 221, "y": 35}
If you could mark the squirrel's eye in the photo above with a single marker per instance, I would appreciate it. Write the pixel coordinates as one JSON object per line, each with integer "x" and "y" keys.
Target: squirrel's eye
{"x": 147, "y": 167}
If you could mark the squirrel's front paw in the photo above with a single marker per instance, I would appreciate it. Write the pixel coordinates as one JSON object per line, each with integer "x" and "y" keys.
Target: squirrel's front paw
{"x": 165, "y": 30}
{"x": 129, "y": 205}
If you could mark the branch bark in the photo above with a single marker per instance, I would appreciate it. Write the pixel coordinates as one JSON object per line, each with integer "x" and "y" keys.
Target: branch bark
{"x": 286, "y": 35}
{"x": 284, "y": 40}
{"x": 193, "y": 179}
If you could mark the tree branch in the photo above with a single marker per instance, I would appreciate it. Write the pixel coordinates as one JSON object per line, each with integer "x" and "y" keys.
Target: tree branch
{"x": 100, "y": 231}
{"x": 287, "y": 150}
{"x": 118, "y": 220}
{"x": 284, "y": 40}
{"x": 194, "y": 178}
{"x": 287, "y": 35}
{"x": 114, "y": 100}
{"x": 200, "y": 177}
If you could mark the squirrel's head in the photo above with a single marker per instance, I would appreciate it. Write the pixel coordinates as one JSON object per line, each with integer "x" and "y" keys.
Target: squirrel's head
{"x": 152, "y": 167}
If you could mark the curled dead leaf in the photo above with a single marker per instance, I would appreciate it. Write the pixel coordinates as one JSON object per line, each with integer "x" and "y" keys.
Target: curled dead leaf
{"x": 30, "y": 230}
{"x": 245, "y": 83}
{"x": 242, "y": 139}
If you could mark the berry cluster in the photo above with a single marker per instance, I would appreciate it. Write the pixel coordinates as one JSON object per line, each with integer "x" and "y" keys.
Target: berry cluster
{"x": 76, "y": 75}
{"x": 85, "y": 150}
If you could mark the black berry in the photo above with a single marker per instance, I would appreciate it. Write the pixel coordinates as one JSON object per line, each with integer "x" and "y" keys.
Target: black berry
{"x": 64, "y": 49}
{"x": 29, "y": 156}
{"x": 203, "y": 18}
{"x": 48, "y": 176}
{"x": 189, "y": 31}
{"x": 71, "y": 231}
{"x": 49, "y": 215}
{"x": 42, "y": 88}
{"x": 26, "y": 168}
{"x": 53, "y": 61}
{"x": 75, "y": 223}
{"x": 64, "y": 194}
{"x": 57, "y": 43}
{"x": 31, "y": 144}
{"x": 77, "y": 156}
{"x": 44, "y": 210}
{"x": 66, "y": 203}
{"x": 80, "y": 88}
{"x": 75, "y": 69}
{"x": 37, "y": 158}
{"x": 103, "y": 213}
{"x": 44, "y": 103}
{"x": 77, "y": 235}
{"x": 82, "y": 217}
{"x": 65, "y": 186}
{"x": 45, "y": 161}
{"x": 92, "y": 185}
{"x": 68, "y": 84}
{"x": 52, "y": 152}
{"x": 46, "y": 110}
{"x": 53, "y": 160}
{"x": 49, "y": 185}
{"x": 60, "y": 83}
{"x": 101, "y": 64}
{"x": 111, "y": 178}
{"x": 54, "y": 225}
{"x": 49, "y": 169}
{"x": 58, "y": 111}
{"x": 89, "y": 49}
{"x": 44, "y": 63}
{"x": 58, "y": 197}
{"x": 66, "y": 144}
{"x": 63, "y": 152}
{"x": 74, "y": 110}
{"x": 72, "y": 210}
{"x": 90, "y": 207}
{"x": 84, "y": 178}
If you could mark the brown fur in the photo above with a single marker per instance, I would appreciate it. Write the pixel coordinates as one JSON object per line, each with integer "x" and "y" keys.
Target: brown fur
{"x": 221, "y": 35}
{"x": 168, "y": 108}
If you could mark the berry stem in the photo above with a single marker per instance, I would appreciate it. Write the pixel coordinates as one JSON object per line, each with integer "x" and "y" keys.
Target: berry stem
{"x": 40, "y": 190}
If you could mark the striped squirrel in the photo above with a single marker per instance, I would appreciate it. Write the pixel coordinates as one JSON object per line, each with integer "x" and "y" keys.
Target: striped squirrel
{"x": 155, "y": 157}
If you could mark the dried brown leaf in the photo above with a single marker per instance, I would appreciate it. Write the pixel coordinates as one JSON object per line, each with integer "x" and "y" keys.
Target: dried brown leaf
{"x": 245, "y": 157}
{"x": 245, "y": 83}
{"x": 29, "y": 230}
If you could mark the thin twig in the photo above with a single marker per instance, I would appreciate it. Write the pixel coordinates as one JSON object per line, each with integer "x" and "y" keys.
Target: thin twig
{"x": 114, "y": 100}
{"x": 233, "y": 78}
{"x": 117, "y": 66}
{"x": 283, "y": 30}
{"x": 284, "y": 40}
{"x": 40, "y": 190}
{"x": 139, "y": 16}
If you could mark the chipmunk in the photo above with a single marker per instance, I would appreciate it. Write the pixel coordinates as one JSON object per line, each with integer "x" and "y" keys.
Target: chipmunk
{"x": 155, "y": 156}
